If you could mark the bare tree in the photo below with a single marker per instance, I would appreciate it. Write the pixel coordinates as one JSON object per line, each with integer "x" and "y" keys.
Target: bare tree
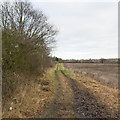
{"x": 26, "y": 32}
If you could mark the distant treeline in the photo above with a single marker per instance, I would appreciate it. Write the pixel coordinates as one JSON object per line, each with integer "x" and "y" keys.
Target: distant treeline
{"x": 102, "y": 60}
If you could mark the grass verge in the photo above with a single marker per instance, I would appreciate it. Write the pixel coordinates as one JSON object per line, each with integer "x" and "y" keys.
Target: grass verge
{"x": 30, "y": 97}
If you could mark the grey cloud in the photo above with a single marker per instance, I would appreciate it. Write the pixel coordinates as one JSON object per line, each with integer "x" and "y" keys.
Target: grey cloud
{"x": 87, "y": 30}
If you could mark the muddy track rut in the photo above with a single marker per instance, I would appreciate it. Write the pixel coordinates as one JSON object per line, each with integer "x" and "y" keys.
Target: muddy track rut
{"x": 73, "y": 100}
{"x": 85, "y": 103}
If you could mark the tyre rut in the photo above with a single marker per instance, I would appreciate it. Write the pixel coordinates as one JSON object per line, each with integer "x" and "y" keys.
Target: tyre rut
{"x": 85, "y": 103}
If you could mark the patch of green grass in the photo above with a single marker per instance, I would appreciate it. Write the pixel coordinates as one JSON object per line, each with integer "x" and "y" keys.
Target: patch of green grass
{"x": 67, "y": 73}
{"x": 57, "y": 67}
{"x": 54, "y": 81}
{"x": 12, "y": 80}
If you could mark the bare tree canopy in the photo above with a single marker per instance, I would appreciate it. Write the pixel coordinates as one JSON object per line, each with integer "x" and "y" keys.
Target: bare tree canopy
{"x": 26, "y": 33}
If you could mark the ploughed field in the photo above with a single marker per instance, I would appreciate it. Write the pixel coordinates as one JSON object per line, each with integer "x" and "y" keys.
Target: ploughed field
{"x": 105, "y": 73}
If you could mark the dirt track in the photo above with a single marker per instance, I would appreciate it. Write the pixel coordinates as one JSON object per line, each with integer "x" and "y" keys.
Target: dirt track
{"x": 73, "y": 100}
{"x": 61, "y": 93}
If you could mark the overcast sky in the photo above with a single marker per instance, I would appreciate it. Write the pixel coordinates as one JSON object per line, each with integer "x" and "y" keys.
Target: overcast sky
{"x": 86, "y": 29}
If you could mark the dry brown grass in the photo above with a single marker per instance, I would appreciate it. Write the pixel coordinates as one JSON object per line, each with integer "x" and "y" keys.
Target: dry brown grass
{"x": 29, "y": 98}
